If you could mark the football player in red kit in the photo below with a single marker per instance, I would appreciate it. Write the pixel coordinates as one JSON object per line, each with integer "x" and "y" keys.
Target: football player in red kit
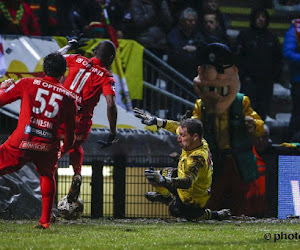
{"x": 88, "y": 79}
{"x": 46, "y": 105}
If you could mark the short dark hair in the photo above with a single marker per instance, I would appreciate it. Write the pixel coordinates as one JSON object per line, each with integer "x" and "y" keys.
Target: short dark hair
{"x": 105, "y": 51}
{"x": 193, "y": 126}
{"x": 54, "y": 65}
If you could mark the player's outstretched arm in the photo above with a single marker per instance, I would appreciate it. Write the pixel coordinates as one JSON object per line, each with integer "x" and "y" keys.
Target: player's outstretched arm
{"x": 149, "y": 119}
{"x": 73, "y": 43}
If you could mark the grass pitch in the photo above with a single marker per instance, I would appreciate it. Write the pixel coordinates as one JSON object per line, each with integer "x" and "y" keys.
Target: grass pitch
{"x": 152, "y": 234}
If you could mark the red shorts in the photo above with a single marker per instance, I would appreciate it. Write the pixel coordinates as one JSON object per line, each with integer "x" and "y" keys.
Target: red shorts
{"x": 83, "y": 128}
{"x": 12, "y": 160}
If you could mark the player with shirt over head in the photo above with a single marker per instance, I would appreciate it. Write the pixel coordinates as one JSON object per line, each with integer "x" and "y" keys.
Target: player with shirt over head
{"x": 46, "y": 105}
{"x": 88, "y": 79}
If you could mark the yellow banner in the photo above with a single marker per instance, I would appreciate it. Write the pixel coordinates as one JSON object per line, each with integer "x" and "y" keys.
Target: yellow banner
{"x": 24, "y": 58}
{"x": 129, "y": 54}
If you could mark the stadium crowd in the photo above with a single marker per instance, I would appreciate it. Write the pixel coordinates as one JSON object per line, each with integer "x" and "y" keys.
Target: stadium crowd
{"x": 172, "y": 29}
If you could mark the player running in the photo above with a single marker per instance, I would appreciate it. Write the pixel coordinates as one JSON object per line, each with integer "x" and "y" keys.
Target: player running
{"x": 88, "y": 79}
{"x": 46, "y": 105}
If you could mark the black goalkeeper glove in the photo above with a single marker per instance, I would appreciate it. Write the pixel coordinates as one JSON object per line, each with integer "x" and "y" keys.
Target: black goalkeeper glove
{"x": 110, "y": 140}
{"x": 73, "y": 41}
{"x": 148, "y": 119}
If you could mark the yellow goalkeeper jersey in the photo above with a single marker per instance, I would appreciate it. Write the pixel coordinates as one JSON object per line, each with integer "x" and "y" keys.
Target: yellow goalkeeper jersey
{"x": 196, "y": 166}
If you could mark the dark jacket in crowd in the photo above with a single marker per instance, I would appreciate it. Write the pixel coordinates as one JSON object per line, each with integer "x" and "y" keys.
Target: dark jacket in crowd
{"x": 150, "y": 20}
{"x": 259, "y": 52}
{"x": 182, "y": 60}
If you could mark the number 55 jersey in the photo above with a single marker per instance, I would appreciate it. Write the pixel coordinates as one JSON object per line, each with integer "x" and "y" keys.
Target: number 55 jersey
{"x": 45, "y": 106}
{"x": 87, "y": 79}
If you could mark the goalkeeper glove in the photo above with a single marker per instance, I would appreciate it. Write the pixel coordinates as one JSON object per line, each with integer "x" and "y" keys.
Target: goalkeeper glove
{"x": 74, "y": 43}
{"x": 148, "y": 119}
{"x": 156, "y": 178}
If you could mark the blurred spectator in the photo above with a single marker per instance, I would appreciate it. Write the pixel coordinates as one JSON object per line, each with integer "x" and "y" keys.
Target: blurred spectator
{"x": 212, "y": 30}
{"x": 66, "y": 13}
{"x": 266, "y": 4}
{"x": 115, "y": 10}
{"x": 260, "y": 61}
{"x": 256, "y": 197}
{"x": 46, "y": 13}
{"x": 213, "y": 5}
{"x": 289, "y": 2}
{"x": 16, "y": 17}
{"x": 100, "y": 30}
{"x": 150, "y": 21}
{"x": 96, "y": 30}
{"x": 183, "y": 40}
{"x": 108, "y": 13}
{"x": 291, "y": 50}
{"x": 177, "y": 6}
{"x": 88, "y": 16}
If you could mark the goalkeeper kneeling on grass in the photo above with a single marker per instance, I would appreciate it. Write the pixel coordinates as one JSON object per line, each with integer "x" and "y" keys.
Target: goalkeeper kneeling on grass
{"x": 186, "y": 189}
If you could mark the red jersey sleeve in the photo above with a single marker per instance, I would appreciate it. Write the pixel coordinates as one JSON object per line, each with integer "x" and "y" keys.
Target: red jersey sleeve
{"x": 12, "y": 93}
{"x": 109, "y": 86}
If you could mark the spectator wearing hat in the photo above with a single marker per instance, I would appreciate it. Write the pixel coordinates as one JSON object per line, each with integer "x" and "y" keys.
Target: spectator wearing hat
{"x": 96, "y": 30}
{"x": 260, "y": 61}
{"x": 230, "y": 125}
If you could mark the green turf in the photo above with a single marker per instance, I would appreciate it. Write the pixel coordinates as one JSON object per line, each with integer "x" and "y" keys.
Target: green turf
{"x": 150, "y": 234}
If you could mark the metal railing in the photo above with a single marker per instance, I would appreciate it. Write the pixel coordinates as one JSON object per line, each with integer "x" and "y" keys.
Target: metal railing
{"x": 114, "y": 188}
{"x": 166, "y": 93}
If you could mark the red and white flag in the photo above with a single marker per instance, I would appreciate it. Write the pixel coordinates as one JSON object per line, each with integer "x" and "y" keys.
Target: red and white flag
{"x": 2, "y": 59}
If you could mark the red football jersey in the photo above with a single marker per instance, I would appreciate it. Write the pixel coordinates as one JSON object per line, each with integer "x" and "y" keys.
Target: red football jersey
{"x": 88, "y": 80}
{"x": 45, "y": 106}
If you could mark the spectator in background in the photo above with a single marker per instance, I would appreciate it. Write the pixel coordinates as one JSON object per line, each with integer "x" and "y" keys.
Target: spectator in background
{"x": 96, "y": 30}
{"x": 100, "y": 30}
{"x": 183, "y": 41}
{"x": 211, "y": 28}
{"x": 260, "y": 61}
{"x": 16, "y": 17}
{"x": 289, "y": 2}
{"x": 213, "y": 5}
{"x": 92, "y": 18}
{"x": 66, "y": 19}
{"x": 46, "y": 13}
{"x": 256, "y": 197}
{"x": 115, "y": 11}
{"x": 177, "y": 6}
{"x": 150, "y": 22}
{"x": 291, "y": 50}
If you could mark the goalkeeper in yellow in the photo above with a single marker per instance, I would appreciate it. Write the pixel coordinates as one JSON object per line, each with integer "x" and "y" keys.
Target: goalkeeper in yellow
{"x": 186, "y": 189}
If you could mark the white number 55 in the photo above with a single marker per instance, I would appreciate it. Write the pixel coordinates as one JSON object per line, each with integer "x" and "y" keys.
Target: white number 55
{"x": 52, "y": 102}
